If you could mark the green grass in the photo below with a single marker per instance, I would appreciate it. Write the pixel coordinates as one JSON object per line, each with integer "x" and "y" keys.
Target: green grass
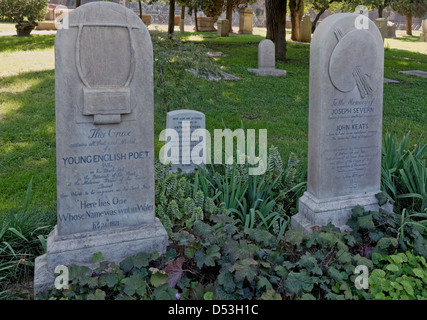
{"x": 27, "y": 116}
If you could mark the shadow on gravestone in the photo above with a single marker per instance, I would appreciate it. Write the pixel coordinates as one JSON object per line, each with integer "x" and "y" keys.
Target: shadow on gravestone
{"x": 104, "y": 141}
{"x": 345, "y": 123}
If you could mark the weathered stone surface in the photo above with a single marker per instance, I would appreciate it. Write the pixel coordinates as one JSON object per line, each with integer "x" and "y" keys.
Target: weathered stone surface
{"x": 246, "y": 20}
{"x": 267, "y": 60}
{"x": 104, "y": 139}
{"x": 305, "y": 33}
{"x": 223, "y": 27}
{"x": 185, "y": 122}
{"x": 345, "y": 122}
{"x": 212, "y": 77}
{"x": 423, "y": 35}
{"x": 418, "y": 73}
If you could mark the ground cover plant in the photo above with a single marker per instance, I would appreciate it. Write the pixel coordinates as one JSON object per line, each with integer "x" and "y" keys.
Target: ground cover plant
{"x": 253, "y": 254}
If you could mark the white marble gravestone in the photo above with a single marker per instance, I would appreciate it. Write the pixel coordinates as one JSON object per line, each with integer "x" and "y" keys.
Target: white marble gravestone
{"x": 186, "y": 153}
{"x": 345, "y": 122}
{"x": 267, "y": 60}
{"x": 104, "y": 141}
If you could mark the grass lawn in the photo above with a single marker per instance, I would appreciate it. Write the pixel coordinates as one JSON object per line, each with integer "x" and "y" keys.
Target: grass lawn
{"x": 27, "y": 104}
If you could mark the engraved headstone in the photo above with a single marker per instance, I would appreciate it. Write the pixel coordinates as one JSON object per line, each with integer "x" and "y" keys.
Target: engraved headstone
{"x": 345, "y": 122}
{"x": 267, "y": 60}
{"x": 104, "y": 141}
{"x": 189, "y": 149}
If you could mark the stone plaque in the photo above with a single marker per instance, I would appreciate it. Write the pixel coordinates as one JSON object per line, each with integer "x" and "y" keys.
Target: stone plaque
{"x": 345, "y": 122}
{"x": 104, "y": 139}
{"x": 267, "y": 60}
{"x": 185, "y": 122}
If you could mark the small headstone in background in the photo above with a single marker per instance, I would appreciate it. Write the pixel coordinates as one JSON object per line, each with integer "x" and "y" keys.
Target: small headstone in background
{"x": 305, "y": 29}
{"x": 423, "y": 35}
{"x": 223, "y": 26}
{"x": 345, "y": 123}
{"x": 267, "y": 60}
{"x": 185, "y": 122}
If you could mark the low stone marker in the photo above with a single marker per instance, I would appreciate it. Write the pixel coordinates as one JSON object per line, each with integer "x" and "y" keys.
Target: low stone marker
{"x": 345, "y": 122}
{"x": 267, "y": 60}
{"x": 104, "y": 141}
{"x": 305, "y": 35}
{"x": 185, "y": 122}
{"x": 418, "y": 73}
{"x": 223, "y": 28}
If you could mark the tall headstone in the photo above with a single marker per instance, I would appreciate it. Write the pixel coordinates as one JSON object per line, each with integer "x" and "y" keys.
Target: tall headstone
{"x": 223, "y": 27}
{"x": 345, "y": 122}
{"x": 104, "y": 141}
{"x": 185, "y": 122}
{"x": 246, "y": 20}
{"x": 423, "y": 35}
{"x": 305, "y": 30}
{"x": 267, "y": 60}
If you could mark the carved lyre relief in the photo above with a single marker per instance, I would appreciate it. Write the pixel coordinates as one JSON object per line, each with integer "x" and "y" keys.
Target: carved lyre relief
{"x": 353, "y": 61}
{"x": 105, "y": 63}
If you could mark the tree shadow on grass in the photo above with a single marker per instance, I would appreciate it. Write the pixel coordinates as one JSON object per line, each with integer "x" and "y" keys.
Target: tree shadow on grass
{"x": 27, "y": 139}
{"x": 32, "y": 42}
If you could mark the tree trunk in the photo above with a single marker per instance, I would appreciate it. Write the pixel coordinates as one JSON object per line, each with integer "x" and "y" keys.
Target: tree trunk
{"x": 181, "y": 23}
{"x": 297, "y": 11}
{"x": 229, "y": 15}
{"x": 409, "y": 25}
{"x": 78, "y": 3}
{"x": 171, "y": 24}
{"x": 276, "y": 26}
{"x": 195, "y": 18}
{"x": 380, "y": 11}
{"x": 314, "y": 24}
{"x": 140, "y": 9}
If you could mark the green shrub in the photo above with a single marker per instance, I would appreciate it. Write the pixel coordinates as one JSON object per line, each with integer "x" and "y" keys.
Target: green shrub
{"x": 402, "y": 276}
{"x": 24, "y": 13}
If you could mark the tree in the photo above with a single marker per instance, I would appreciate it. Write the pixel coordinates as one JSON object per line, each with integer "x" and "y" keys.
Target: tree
{"x": 171, "y": 22}
{"x": 276, "y": 26}
{"x": 320, "y": 6}
{"x": 23, "y": 13}
{"x": 230, "y": 6}
{"x": 296, "y": 8}
{"x": 380, "y": 5}
{"x": 78, "y": 3}
{"x": 409, "y": 8}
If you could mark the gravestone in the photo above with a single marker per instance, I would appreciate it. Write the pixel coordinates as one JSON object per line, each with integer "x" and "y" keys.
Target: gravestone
{"x": 223, "y": 27}
{"x": 267, "y": 60}
{"x": 185, "y": 122}
{"x": 246, "y": 20}
{"x": 345, "y": 122}
{"x": 305, "y": 35}
{"x": 423, "y": 35}
{"x": 104, "y": 141}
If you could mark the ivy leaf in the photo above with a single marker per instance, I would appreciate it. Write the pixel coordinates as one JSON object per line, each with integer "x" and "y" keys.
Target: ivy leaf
{"x": 208, "y": 258}
{"x": 385, "y": 245}
{"x": 263, "y": 282}
{"x": 141, "y": 260}
{"x": 357, "y": 211}
{"x": 297, "y": 282}
{"x": 127, "y": 264}
{"x": 134, "y": 284}
{"x": 109, "y": 280}
{"x": 294, "y": 237}
{"x": 270, "y": 294}
{"x": 260, "y": 235}
{"x": 165, "y": 292}
{"x": 98, "y": 295}
{"x": 225, "y": 278}
{"x": 203, "y": 229}
{"x": 245, "y": 268}
{"x": 158, "y": 278}
{"x": 183, "y": 238}
{"x": 366, "y": 222}
{"x": 174, "y": 271}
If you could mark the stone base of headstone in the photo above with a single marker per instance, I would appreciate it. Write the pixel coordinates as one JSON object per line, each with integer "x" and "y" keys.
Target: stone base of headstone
{"x": 265, "y": 72}
{"x": 317, "y": 213}
{"x": 79, "y": 249}
{"x": 423, "y": 37}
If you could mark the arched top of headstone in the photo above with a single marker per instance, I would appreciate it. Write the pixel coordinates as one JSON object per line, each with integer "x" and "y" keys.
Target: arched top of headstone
{"x": 266, "y": 54}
